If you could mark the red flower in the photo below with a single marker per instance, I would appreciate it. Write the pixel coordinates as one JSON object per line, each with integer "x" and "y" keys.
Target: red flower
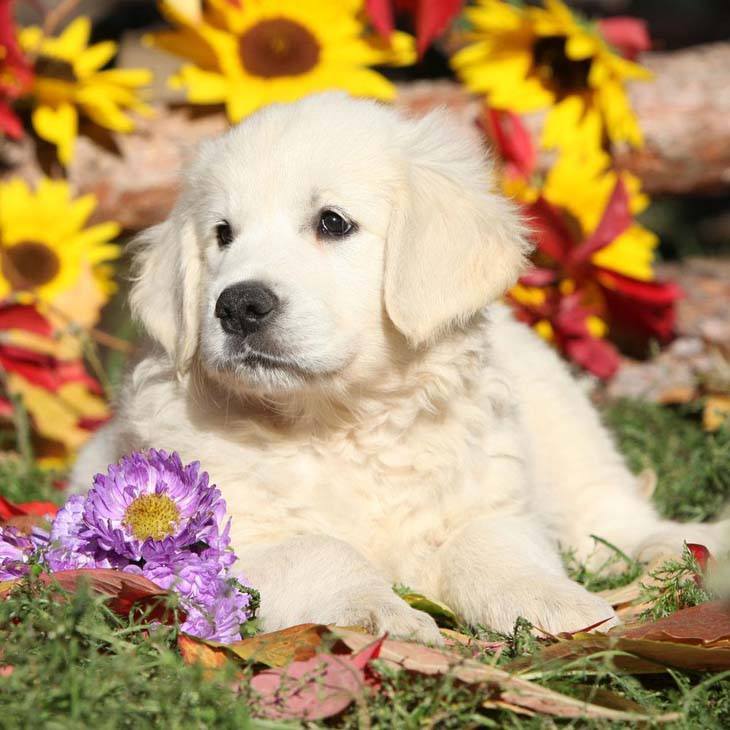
{"x": 15, "y": 72}
{"x": 37, "y": 368}
{"x": 630, "y": 306}
{"x": 430, "y": 17}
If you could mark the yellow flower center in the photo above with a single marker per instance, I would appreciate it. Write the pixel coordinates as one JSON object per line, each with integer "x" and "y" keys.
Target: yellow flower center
{"x": 151, "y": 515}
{"x": 52, "y": 67}
{"x": 555, "y": 70}
{"x": 278, "y": 47}
{"x": 29, "y": 264}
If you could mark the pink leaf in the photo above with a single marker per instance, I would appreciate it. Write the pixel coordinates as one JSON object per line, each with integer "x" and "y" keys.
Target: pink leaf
{"x": 538, "y": 277}
{"x": 320, "y": 687}
{"x": 597, "y": 356}
{"x": 629, "y": 35}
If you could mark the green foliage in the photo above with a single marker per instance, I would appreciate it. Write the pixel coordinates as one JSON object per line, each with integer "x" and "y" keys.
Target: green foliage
{"x": 75, "y": 664}
{"x": 23, "y": 481}
{"x": 673, "y": 586}
{"x": 693, "y": 467}
{"x": 618, "y": 569}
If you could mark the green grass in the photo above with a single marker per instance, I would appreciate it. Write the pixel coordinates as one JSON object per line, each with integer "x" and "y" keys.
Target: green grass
{"x": 75, "y": 664}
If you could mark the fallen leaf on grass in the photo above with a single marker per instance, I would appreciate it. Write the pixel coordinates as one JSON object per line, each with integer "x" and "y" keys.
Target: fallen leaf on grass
{"x": 314, "y": 689}
{"x": 196, "y": 651}
{"x": 278, "y": 648}
{"x": 440, "y": 612}
{"x": 716, "y": 412}
{"x": 696, "y": 639}
{"x": 707, "y": 624}
{"x": 123, "y": 591}
{"x": 503, "y": 688}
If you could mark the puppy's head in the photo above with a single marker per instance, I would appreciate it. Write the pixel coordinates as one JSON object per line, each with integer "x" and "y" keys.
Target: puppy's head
{"x": 322, "y": 241}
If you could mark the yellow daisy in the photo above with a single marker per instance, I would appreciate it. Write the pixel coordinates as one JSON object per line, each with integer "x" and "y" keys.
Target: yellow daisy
{"x": 257, "y": 52}
{"x": 68, "y": 82}
{"x": 527, "y": 58}
{"x": 581, "y": 184}
{"x": 46, "y": 252}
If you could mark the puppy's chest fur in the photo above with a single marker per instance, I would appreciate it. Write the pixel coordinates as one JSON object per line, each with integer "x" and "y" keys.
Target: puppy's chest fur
{"x": 395, "y": 486}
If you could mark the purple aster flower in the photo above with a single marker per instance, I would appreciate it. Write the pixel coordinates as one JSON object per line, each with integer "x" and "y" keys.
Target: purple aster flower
{"x": 69, "y": 549}
{"x": 149, "y": 504}
{"x": 218, "y": 617}
{"x": 16, "y": 550}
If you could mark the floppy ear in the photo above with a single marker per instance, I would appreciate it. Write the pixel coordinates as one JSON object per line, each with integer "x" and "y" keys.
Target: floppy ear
{"x": 166, "y": 290}
{"x": 454, "y": 244}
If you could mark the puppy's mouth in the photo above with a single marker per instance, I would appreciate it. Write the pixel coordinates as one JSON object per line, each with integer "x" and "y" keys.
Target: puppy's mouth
{"x": 256, "y": 358}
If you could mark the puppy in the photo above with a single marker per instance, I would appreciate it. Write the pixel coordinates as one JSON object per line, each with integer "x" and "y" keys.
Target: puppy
{"x": 323, "y": 302}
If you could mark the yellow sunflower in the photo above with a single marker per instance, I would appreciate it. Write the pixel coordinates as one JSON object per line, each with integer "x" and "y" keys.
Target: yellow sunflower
{"x": 68, "y": 82}
{"x": 46, "y": 252}
{"x": 581, "y": 184}
{"x": 527, "y": 58}
{"x": 246, "y": 55}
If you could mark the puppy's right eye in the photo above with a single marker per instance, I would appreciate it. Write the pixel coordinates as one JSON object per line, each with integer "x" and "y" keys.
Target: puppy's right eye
{"x": 224, "y": 234}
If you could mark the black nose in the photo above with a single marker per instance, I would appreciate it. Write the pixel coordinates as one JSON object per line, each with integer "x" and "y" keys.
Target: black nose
{"x": 245, "y": 308}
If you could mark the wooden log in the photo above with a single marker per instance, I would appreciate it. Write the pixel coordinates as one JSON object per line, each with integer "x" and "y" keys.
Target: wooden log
{"x": 684, "y": 112}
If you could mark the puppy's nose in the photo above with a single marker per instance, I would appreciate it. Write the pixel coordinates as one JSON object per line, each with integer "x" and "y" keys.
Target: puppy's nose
{"x": 245, "y": 308}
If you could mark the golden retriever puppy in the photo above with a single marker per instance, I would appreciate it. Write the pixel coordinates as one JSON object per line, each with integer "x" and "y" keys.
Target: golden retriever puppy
{"x": 328, "y": 342}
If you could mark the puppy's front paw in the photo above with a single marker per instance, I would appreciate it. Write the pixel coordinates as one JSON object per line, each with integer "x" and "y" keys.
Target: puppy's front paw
{"x": 383, "y": 613}
{"x": 553, "y": 605}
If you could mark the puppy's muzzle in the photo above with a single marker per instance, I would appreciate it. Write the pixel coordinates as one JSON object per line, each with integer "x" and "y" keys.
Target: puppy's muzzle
{"x": 246, "y": 308}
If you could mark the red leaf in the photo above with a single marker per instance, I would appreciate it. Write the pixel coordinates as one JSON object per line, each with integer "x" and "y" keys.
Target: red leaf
{"x": 124, "y": 591}
{"x": 10, "y": 123}
{"x": 314, "y": 689}
{"x": 24, "y": 317}
{"x": 9, "y": 509}
{"x": 644, "y": 307}
{"x": 513, "y": 141}
{"x": 430, "y": 17}
{"x": 615, "y": 220}
{"x": 705, "y": 624}
{"x": 700, "y": 553}
{"x": 629, "y": 35}
{"x": 550, "y": 232}
{"x": 433, "y": 17}
{"x": 380, "y": 13}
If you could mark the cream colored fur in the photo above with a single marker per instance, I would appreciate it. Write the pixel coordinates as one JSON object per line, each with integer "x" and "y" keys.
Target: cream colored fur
{"x": 414, "y": 432}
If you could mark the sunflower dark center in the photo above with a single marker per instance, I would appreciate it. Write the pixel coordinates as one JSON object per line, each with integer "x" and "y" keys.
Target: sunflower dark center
{"x": 29, "y": 264}
{"x": 278, "y": 47}
{"x": 52, "y": 67}
{"x": 556, "y": 71}
{"x": 151, "y": 515}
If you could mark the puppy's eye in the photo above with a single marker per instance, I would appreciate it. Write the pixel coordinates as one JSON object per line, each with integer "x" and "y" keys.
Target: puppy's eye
{"x": 334, "y": 225}
{"x": 224, "y": 234}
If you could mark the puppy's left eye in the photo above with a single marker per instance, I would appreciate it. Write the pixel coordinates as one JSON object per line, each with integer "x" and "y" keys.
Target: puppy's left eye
{"x": 224, "y": 234}
{"x": 334, "y": 225}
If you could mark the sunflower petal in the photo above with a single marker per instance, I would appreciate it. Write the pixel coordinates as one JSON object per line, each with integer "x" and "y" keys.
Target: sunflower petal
{"x": 58, "y": 126}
